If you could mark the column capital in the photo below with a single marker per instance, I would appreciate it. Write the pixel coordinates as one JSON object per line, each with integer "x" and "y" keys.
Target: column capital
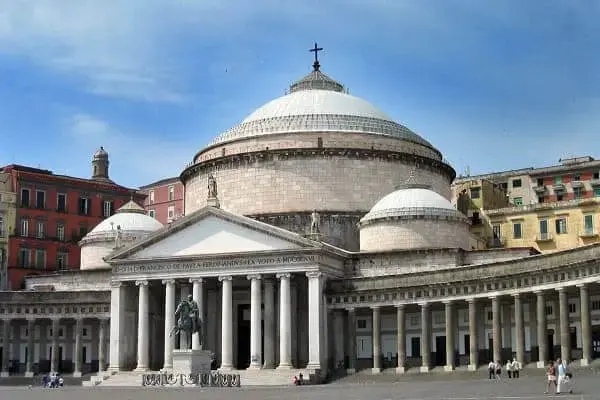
{"x": 400, "y": 306}
{"x": 471, "y": 300}
{"x": 561, "y": 289}
{"x": 314, "y": 274}
{"x": 423, "y": 304}
{"x": 55, "y": 320}
{"x": 103, "y": 320}
{"x": 448, "y": 302}
{"x": 254, "y": 277}
{"x": 141, "y": 283}
{"x": 168, "y": 281}
{"x": 284, "y": 275}
{"x": 30, "y": 320}
{"x": 516, "y": 295}
{"x": 538, "y": 292}
{"x": 225, "y": 278}
{"x": 196, "y": 280}
{"x": 374, "y": 308}
{"x": 116, "y": 284}
{"x": 494, "y": 297}
{"x": 351, "y": 310}
{"x": 583, "y": 285}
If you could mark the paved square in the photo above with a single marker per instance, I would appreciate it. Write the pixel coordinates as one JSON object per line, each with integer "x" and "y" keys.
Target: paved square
{"x": 585, "y": 388}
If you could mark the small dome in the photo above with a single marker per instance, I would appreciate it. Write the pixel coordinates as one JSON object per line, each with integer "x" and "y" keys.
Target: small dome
{"x": 101, "y": 153}
{"x": 412, "y": 200}
{"x": 128, "y": 221}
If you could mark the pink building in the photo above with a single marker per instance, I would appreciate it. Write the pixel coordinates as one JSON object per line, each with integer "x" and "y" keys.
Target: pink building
{"x": 164, "y": 200}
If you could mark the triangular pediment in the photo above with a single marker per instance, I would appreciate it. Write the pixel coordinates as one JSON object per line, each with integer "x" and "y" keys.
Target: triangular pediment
{"x": 213, "y": 231}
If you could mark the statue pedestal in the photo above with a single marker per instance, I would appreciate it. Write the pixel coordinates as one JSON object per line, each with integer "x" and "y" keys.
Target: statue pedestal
{"x": 191, "y": 361}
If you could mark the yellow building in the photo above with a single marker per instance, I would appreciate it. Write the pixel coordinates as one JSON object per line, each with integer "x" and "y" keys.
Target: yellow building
{"x": 8, "y": 215}
{"x": 547, "y": 227}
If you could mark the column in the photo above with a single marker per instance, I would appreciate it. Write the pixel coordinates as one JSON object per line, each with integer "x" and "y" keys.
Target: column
{"x": 376, "y": 339}
{"x": 117, "y": 324}
{"x": 351, "y": 329}
{"x": 450, "y": 329}
{"x": 586, "y": 331}
{"x": 198, "y": 296}
{"x": 519, "y": 329}
{"x": 401, "y": 340}
{"x": 30, "y": 347}
{"x": 425, "y": 337}
{"x": 227, "y": 323}
{"x": 5, "y": 346}
{"x": 285, "y": 322}
{"x": 315, "y": 346}
{"x": 169, "y": 323}
{"x": 54, "y": 357}
{"x": 255, "y": 321}
{"x": 565, "y": 330}
{"x": 143, "y": 327}
{"x": 496, "y": 329}
{"x": 184, "y": 292}
{"x": 102, "y": 344}
{"x": 77, "y": 349}
{"x": 542, "y": 332}
{"x": 473, "y": 335}
{"x": 269, "y": 341}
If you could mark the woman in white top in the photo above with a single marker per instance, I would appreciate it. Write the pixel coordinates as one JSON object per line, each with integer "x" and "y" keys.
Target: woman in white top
{"x": 509, "y": 369}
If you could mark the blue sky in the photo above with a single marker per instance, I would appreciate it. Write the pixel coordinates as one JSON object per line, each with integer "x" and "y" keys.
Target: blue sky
{"x": 493, "y": 84}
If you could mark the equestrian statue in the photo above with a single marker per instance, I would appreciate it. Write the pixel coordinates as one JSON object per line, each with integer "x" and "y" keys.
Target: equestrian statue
{"x": 188, "y": 320}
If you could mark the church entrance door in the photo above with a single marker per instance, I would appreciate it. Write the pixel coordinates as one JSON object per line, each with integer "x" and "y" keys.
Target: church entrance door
{"x": 243, "y": 339}
{"x": 440, "y": 350}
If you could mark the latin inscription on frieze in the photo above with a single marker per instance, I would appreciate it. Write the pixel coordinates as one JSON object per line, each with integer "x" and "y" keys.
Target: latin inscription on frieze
{"x": 211, "y": 264}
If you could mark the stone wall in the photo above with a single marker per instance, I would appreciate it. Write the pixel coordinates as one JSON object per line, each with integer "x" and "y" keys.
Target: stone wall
{"x": 496, "y": 255}
{"x": 92, "y": 255}
{"x": 414, "y": 234}
{"x": 324, "y": 182}
{"x": 315, "y": 140}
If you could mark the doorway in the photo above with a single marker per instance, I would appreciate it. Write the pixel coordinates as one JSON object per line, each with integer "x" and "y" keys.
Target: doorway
{"x": 550, "y": 345}
{"x": 243, "y": 336}
{"x": 595, "y": 341}
{"x": 440, "y": 350}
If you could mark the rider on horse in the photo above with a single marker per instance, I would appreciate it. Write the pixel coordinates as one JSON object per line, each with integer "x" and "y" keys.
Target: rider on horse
{"x": 188, "y": 318}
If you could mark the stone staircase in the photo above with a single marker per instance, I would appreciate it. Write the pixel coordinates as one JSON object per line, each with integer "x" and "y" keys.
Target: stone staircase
{"x": 263, "y": 377}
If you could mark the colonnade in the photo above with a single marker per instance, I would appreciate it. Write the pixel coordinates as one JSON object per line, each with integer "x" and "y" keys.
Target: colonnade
{"x": 54, "y": 341}
{"x": 474, "y": 325}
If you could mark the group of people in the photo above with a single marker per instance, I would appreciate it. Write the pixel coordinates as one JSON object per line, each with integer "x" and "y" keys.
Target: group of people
{"x": 52, "y": 381}
{"x": 512, "y": 368}
{"x": 559, "y": 377}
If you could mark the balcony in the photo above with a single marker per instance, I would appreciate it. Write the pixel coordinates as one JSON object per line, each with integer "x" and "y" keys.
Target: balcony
{"x": 558, "y": 187}
{"x": 540, "y": 189}
{"x": 496, "y": 243}
{"x": 595, "y": 182}
{"x": 577, "y": 184}
{"x": 544, "y": 237}
{"x": 588, "y": 233}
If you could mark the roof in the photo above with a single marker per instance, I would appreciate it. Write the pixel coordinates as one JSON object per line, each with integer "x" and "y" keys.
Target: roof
{"x": 161, "y": 182}
{"x": 412, "y": 201}
{"x": 129, "y": 218}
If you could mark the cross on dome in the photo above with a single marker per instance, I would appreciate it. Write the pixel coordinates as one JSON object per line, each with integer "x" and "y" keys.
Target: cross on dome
{"x": 316, "y": 50}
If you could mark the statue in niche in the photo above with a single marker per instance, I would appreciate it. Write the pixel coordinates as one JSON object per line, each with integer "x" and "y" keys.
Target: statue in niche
{"x": 315, "y": 223}
{"x": 212, "y": 186}
{"x": 188, "y": 320}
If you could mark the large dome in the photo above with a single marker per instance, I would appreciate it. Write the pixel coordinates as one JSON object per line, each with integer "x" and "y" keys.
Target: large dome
{"x": 317, "y": 103}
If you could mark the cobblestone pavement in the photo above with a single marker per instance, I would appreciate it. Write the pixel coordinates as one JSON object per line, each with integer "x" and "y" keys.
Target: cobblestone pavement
{"x": 586, "y": 388}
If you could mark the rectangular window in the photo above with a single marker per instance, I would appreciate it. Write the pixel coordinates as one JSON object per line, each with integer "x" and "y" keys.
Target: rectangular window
{"x": 40, "y": 199}
{"x": 561, "y": 226}
{"x": 597, "y": 192}
{"x": 84, "y": 206}
{"x": 540, "y": 182}
{"x": 573, "y": 337}
{"x": 151, "y": 196}
{"x": 595, "y": 305}
{"x": 60, "y": 232}
{"x": 40, "y": 259}
{"x": 496, "y": 231}
{"x": 475, "y": 193}
{"x": 516, "y": 183}
{"x": 517, "y": 230}
{"x": 558, "y": 180}
{"x": 490, "y": 315}
{"x": 576, "y": 177}
{"x": 83, "y": 230}
{"x": 543, "y": 227}
{"x": 361, "y": 324}
{"x": 24, "y": 197}
{"x": 572, "y": 308}
{"x": 24, "y": 258}
{"x": 415, "y": 347}
{"x": 549, "y": 310}
{"x": 171, "y": 193}
{"x": 596, "y": 175}
{"x": 151, "y": 213}
{"x": 24, "y": 227}
{"x": 171, "y": 212}
{"x": 541, "y": 199}
{"x": 40, "y": 231}
{"x": 61, "y": 261}
{"x": 578, "y": 192}
{"x": 61, "y": 202}
{"x": 560, "y": 195}
{"x": 518, "y": 201}
{"x": 108, "y": 208}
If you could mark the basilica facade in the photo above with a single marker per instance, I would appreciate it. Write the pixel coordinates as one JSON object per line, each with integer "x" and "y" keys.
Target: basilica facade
{"x": 318, "y": 235}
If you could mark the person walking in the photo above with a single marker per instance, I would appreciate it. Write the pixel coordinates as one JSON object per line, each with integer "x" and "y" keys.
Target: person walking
{"x": 492, "y": 370}
{"x": 516, "y": 368}
{"x": 551, "y": 375}
{"x": 509, "y": 369}
{"x": 564, "y": 380}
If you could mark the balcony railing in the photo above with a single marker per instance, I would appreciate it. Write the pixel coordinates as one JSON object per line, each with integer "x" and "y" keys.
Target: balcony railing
{"x": 539, "y": 189}
{"x": 588, "y": 232}
{"x": 495, "y": 243}
{"x": 544, "y": 237}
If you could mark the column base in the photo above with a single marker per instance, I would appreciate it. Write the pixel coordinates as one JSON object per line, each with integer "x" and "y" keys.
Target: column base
{"x": 314, "y": 366}
{"x": 76, "y": 374}
{"x": 4, "y": 374}
{"x": 400, "y": 370}
{"x": 284, "y": 366}
{"x": 424, "y": 369}
{"x": 541, "y": 364}
{"x": 472, "y": 367}
{"x": 226, "y": 368}
{"x": 28, "y": 374}
{"x": 255, "y": 367}
{"x": 585, "y": 362}
{"x": 448, "y": 368}
{"x": 350, "y": 371}
{"x": 375, "y": 370}
{"x": 141, "y": 369}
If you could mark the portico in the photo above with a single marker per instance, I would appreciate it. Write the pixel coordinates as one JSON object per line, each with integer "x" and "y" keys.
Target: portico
{"x": 261, "y": 309}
